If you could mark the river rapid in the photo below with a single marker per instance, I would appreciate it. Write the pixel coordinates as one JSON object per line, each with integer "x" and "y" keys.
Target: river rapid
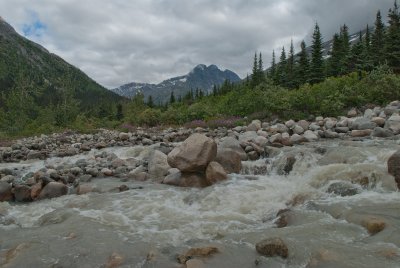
{"x": 334, "y": 189}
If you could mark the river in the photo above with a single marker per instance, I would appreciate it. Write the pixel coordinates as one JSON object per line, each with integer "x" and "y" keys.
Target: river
{"x": 150, "y": 224}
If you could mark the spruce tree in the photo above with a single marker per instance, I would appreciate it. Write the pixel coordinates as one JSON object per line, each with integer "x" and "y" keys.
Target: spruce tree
{"x": 335, "y": 60}
{"x": 260, "y": 70}
{"x": 254, "y": 76}
{"x": 345, "y": 50}
{"x": 368, "y": 64}
{"x": 317, "y": 61}
{"x": 392, "y": 45}
{"x": 378, "y": 41}
{"x": 119, "y": 115}
{"x": 150, "y": 102}
{"x": 291, "y": 83}
{"x": 281, "y": 72}
{"x": 172, "y": 98}
{"x": 272, "y": 69}
{"x": 356, "y": 62}
{"x": 303, "y": 66}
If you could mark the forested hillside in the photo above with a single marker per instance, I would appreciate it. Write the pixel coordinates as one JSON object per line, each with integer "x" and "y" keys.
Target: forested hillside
{"x": 39, "y": 91}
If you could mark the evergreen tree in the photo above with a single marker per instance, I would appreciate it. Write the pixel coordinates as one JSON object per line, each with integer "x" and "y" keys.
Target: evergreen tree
{"x": 335, "y": 61}
{"x": 345, "y": 49}
{"x": 392, "y": 47}
{"x": 356, "y": 62}
{"x": 119, "y": 115}
{"x": 281, "y": 70}
{"x": 260, "y": 70}
{"x": 367, "y": 59}
{"x": 150, "y": 102}
{"x": 272, "y": 69}
{"x": 254, "y": 76}
{"x": 378, "y": 41}
{"x": 215, "y": 89}
{"x": 303, "y": 66}
{"x": 291, "y": 83}
{"x": 172, "y": 98}
{"x": 201, "y": 93}
{"x": 317, "y": 62}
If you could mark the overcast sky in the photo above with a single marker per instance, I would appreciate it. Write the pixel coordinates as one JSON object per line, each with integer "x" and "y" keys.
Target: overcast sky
{"x": 120, "y": 41}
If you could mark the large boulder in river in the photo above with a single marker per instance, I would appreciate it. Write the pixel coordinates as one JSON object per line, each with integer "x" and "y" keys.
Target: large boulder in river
{"x": 5, "y": 191}
{"x": 53, "y": 189}
{"x": 234, "y": 144}
{"x": 215, "y": 173}
{"x": 394, "y": 167}
{"x": 393, "y": 123}
{"x": 22, "y": 193}
{"x": 158, "y": 165}
{"x": 194, "y": 154}
{"x": 230, "y": 160}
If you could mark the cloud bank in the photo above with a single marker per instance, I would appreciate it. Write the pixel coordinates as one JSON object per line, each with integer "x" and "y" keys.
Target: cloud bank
{"x": 120, "y": 41}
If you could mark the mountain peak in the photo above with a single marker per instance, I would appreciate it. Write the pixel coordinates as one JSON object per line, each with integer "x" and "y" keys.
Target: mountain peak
{"x": 200, "y": 77}
{"x": 200, "y": 67}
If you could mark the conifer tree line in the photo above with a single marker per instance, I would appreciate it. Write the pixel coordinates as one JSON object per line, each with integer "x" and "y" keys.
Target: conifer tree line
{"x": 373, "y": 48}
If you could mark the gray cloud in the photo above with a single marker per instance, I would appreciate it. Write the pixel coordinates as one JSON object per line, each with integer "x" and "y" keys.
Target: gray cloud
{"x": 120, "y": 41}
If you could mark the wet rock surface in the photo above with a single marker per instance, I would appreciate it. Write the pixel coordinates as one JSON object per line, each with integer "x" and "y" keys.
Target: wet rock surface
{"x": 272, "y": 247}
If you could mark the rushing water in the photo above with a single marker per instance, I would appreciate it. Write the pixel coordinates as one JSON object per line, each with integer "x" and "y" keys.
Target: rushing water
{"x": 324, "y": 229}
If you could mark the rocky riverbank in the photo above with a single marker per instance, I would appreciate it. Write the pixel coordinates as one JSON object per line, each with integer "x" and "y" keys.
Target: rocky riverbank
{"x": 188, "y": 164}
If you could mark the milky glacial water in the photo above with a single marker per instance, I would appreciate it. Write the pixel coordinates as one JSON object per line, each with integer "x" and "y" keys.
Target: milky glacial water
{"x": 324, "y": 229}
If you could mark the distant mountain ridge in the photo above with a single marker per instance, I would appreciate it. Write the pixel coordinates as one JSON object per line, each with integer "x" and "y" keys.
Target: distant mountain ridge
{"x": 201, "y": 77}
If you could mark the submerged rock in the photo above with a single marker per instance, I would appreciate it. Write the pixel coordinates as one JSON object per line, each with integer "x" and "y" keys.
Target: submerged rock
{"x": 343, "y": 189}
{"x": 197, "y": 252}
{"x": 114, "y": 261}
{"x": 286, "y": 166}
{"x": 283, "y": 216}
{"x": 373, "y": 225}
{"x": 272, "y": 247}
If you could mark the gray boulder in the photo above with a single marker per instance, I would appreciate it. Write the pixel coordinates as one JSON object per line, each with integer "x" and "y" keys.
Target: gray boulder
{"x": 363, "y": 123}
{"x": 215, "y": 173}
{"x": 393, "y": 123}
{"x": 393, "y": 164}
{"x": 52, "y": 190}
{"x": 5, "y": 191}
{"x": 22, "y": 193}
{"x": 382, "y": 132}
{"x": 194, "y": 154}
{"x": 230, "y": 160}
{"x": 158, "y": 165}
{"x": 234, "y": 144}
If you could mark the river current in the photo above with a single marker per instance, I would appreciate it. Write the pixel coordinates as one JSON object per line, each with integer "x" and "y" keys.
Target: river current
{"x": 151, "y": 223}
